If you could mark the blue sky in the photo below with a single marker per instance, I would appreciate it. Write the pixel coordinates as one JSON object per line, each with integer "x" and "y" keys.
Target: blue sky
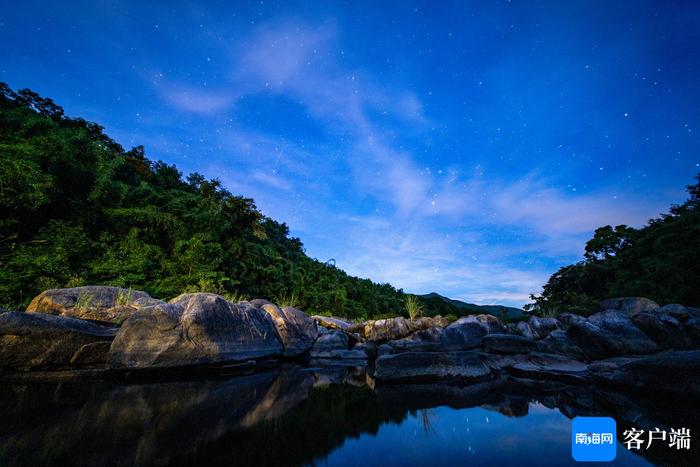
{"x": 468, "y": 148}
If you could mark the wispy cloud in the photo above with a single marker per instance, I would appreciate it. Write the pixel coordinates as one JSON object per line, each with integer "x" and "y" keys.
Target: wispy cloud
{"x": 422, "y": 228}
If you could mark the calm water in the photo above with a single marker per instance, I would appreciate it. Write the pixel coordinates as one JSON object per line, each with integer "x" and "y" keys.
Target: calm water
{"x": 299, "y": 416}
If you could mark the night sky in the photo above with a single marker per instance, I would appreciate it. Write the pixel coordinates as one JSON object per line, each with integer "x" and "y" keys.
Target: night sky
{"x": 467, "y": 148}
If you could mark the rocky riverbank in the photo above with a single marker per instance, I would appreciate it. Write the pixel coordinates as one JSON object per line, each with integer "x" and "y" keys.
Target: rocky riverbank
{"x": 631, "y": 343}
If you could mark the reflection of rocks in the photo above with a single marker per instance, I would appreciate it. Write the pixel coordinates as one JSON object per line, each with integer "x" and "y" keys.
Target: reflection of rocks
{"x": 290, "y": 416}
{"x": 43, "y": 341}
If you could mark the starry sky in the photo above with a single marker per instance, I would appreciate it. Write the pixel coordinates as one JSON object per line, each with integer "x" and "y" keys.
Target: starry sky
{"x": 467, "y": 148}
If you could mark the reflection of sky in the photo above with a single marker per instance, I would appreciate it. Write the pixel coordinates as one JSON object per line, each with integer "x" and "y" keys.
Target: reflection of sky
{"x": 473, "y": 436}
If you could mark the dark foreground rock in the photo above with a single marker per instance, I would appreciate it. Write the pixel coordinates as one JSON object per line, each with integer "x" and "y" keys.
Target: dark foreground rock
{"x": 335, "y": 344}
{"x": 668, "y": 372}
{"x": 194, "y": 329}
{"x": 542, "y": 367}
{"x": 31, "y": 341}
{"x": 629, "y": 305}
{"x": 98, "y": 303}
{"x": 430, "y": 366}
{"x": 663, "y": 328}
{"x": 509, "y": 344}
{"x": 608, "y": 334}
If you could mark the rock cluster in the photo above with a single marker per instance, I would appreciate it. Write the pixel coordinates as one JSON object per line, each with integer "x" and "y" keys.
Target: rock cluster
{"x": 630, "y": 342}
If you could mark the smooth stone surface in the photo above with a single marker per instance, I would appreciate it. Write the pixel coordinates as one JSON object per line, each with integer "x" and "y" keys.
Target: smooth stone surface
{"x": 509, "y": 343}
{"x": 523, "y": 328}
{"x": 463, "y": 334}
{"x": 557, "y": 342}
{"x": 666, "y": 372}
{"x": 260, "y": 302}
{"x": 543, "y": 366}
{"x": 608, "y": 334}
{"x": 332, "y": 323}
{"x": 663, "y": 329}
{"x": 332, "y": 344}
{"x": 200, "y": 328}
{"x": 383, "y": 330}
{"x": 489, "y": 323}
{"x": 541, "y": 327}
{"x": 98, "y": 303}
{"x": 692, "y": 329}
{"x": 431, "y": 366}
{"x": 44, "y": 341}
{"x": 629, "y": 305}
{"x": 296, "y": 330}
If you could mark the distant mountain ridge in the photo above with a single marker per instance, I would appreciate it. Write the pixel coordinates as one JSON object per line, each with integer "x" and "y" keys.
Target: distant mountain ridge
{"x": 440, "y": 304}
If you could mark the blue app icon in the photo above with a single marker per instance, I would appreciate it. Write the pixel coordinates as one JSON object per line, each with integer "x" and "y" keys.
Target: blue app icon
{"x": 593, "y": 439}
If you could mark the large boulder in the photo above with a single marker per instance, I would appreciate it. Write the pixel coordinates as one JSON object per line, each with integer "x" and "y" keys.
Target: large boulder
{"x": 460, "y": 335}
{"x": 296, "y": 330}
{"x": 679, "y": 312}
{"x": 192, "y": 329}
{"x": 692, "y": 330}
{"x": 93, "y": 302}
{"x": 432, "y": 366}
{"x": 329, "y": 344}
{"x": 509, "y": 344}
{"x": 427, "y": 322}
{"x": 523, "y": 329}
{"x": 489, "y": 323}
{"x": 567, "y": 319}
{"x": 540, "y": 366}
{"x": 332, "y": 323}
{"x": 541, "y": 327}
{"x": 44, "y": 341}
{"x": 608, "y": 334}
{"x": 663, "y": 329}
{"x": 259, "y": 302}
{"x": 383, "y": 330}
{"x": 629, "y": 305}
{"x": 557, "y": 342}
{"x": 335, "y": 344}
{"x": 667, "y": 372}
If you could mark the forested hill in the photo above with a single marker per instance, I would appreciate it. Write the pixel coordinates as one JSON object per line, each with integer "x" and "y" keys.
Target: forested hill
{"x": 660, "y": 261}
{"x": 79, "y": 209}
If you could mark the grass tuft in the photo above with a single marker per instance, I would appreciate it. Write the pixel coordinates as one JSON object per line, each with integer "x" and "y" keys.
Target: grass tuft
{"x": 413, "y": 307}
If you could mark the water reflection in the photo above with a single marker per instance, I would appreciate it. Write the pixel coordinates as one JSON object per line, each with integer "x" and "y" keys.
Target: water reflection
{"x": 328, "y": 416}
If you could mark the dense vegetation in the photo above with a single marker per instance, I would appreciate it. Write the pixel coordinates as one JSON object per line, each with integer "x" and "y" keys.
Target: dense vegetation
{"x": 78, "y": 209}
{"x": 660, "y": 261}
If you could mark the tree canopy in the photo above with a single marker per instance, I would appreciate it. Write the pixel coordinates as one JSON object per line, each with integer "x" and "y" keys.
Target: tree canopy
{"x": 78, "y": 209}
{"x": 660, "y": 261}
